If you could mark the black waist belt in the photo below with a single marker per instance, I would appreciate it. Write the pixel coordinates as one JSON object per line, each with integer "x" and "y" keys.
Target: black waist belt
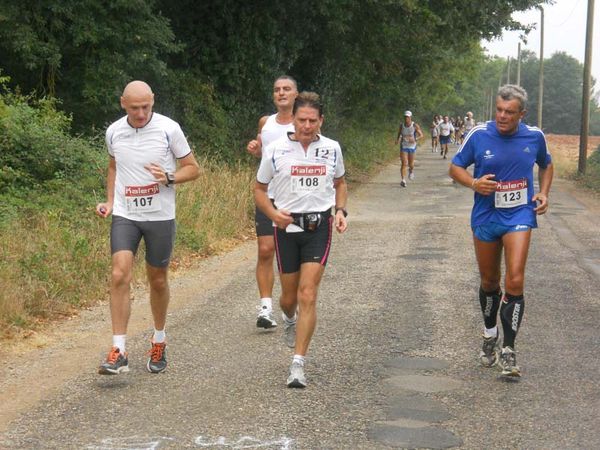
{"x": 310, "y": 221}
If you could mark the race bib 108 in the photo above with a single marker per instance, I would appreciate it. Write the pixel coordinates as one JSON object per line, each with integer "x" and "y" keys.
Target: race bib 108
{"x": 511, "y": 193}
{"x": 308, "y": 178}
{"x": 141, "y": 199}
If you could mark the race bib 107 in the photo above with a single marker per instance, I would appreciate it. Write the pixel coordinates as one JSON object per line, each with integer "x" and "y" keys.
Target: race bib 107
{"x": 511, "y": 193}
{"x": 141, "y": 199}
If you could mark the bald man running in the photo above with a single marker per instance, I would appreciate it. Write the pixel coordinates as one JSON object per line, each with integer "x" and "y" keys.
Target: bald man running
{"x": 149, "y": 155}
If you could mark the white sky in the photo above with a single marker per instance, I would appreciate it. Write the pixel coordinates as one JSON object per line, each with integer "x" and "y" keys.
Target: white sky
{"x": 564, "y": 30}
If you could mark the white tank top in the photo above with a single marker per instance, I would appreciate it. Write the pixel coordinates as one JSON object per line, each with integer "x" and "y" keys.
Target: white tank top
{"x": 270, "y": 132}
{"x": 408, "y": 136}
{"x": 469, "y": 123}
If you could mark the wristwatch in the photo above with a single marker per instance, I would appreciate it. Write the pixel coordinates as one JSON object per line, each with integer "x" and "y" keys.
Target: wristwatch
{"x": 343, "y": 210}
{"x": 170, "y": 178}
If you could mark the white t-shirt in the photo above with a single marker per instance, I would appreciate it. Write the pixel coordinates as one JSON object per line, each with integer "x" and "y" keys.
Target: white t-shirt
{"x": 272, "y": 131}
{"x": 302, "y": 181}
{"x": 445, "y": 128}
{"x": 138, "y": 195}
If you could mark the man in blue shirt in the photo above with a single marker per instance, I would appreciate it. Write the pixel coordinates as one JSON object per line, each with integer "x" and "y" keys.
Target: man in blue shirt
{"x": 504, "y": 213}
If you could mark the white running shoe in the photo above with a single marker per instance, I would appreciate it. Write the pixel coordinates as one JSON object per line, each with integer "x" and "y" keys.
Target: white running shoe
{"x": 296, "y": 378}
{"x": 489, "y": 354}
{"x": 265, "y": 318}
{"x": 289, "y": 332}
{"x": 403, "y": 183}
{"x": 411, "y": 175}
{"x": 508, "y": 363}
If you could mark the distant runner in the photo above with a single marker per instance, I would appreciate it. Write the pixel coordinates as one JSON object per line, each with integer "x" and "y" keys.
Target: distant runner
{"x": 504, "y": 152}
{"x": 409, "y": 133}
{"x": 469, "y": 123}
{"x": 435, "y": 133}
{"x": 446, "y": 130}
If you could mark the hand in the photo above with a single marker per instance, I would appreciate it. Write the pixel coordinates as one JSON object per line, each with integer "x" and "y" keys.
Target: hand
{"x": 282, "y": 219}
{"x": 341, "y": 224}
{"x": 254, "y": 149}
{"x": 103, "y": 210}
{"x": 158, "y": 173}
{"x": 542, "y": 207}
{"x": 484, "y": 185}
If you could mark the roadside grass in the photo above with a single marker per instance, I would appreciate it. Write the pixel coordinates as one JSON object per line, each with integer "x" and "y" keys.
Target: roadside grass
{"x": 52, "y": 263}
{"x": 591, "y": 179}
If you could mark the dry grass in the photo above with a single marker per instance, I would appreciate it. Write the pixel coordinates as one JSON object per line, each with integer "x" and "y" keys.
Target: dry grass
{"x": 565, "y": 152}
{"x": 54, "y": 263}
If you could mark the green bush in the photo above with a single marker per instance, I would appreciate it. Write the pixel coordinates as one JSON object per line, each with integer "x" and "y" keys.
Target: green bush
{"x": 592, "y": 176}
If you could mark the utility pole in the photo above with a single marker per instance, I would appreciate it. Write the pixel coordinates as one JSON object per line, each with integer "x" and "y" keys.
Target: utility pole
{"x": 541, "y": 74}
{"x": 508, "y": 70}
{"x": 585, "y": 101}
{"x": 491, "y": 104}
{"x": 519, "y": 65}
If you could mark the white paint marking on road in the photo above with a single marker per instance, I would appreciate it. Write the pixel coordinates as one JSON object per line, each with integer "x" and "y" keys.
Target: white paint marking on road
{"x": 284, "y": 443}
{"x": 130, "y": 443}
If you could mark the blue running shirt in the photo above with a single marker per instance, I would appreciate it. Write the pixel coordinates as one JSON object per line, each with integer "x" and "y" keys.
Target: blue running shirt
{"x": 510, "y": 158}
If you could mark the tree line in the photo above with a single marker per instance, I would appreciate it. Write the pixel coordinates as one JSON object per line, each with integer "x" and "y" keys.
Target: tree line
{"x": 212, "y": 63}
{"x": 563, "y": 78}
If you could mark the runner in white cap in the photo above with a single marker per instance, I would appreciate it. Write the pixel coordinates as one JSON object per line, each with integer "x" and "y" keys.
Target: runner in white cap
{"x": 409, "y": 133}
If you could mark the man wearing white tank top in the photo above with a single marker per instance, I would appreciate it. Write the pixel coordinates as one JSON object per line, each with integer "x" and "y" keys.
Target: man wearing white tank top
{"x": 270, "y": 129}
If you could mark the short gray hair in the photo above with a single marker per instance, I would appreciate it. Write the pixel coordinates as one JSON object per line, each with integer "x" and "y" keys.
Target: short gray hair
{"x": 514, "y": 92}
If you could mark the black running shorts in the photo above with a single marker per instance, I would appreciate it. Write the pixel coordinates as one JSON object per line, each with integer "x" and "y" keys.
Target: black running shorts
{"x": 264, "y": 225}
{"x": 159, "y": 237}
{"x": 294, "y": 249}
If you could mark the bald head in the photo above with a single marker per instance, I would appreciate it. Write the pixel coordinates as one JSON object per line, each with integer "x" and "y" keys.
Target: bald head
{"x": 137, "y": 88}
{"x": 137, "y": 101}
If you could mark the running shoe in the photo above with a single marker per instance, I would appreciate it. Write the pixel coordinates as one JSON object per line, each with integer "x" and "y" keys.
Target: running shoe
{"x": 158, "y": 360}
{"x": 508, "y": 363}
{"x": 289, "y": 332}
{"x": 403, "y": 183}
{"x": 265, "y": 318}
{"x": 411, "y": 175}
{"x": 116, "y": 362}
{"x": 489, "y": 352}
{"x": 296, "y": 378}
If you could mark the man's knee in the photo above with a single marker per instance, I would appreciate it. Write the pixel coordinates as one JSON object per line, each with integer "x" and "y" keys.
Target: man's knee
{"x": 489, "y": 282}
{"x": 120, "y": 275}
{"x": 515, "y": 282}
{"x": 307, "y": 294}
{"x": 158, "y": 280}
{"x": 266, "y": 249}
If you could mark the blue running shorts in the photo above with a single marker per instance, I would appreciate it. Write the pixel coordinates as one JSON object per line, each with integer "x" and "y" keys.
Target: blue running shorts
{"x": 493, "y": 232}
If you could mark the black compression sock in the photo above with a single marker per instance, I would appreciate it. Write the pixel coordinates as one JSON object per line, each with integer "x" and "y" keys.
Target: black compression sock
{"x": 490, "y": 302}
{"x": 511, "y": 314}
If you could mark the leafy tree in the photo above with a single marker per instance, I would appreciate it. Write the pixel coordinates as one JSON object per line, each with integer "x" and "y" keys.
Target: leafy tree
{"x": 83, "y": 51}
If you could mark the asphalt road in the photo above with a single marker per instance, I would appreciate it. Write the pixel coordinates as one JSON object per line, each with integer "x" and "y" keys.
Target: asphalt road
{"x": 393, "y": 363}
